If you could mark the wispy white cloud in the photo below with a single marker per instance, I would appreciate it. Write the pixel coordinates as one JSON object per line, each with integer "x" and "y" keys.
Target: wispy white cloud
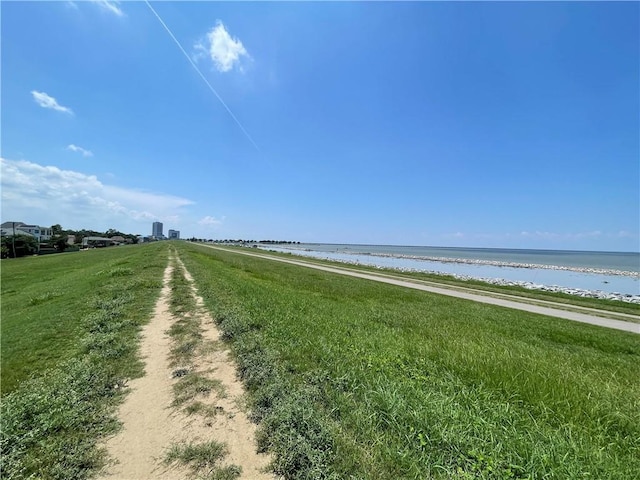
{"x": 208, "y": 220}
{"x": 224, "y": 51}
{"x": 51, "y": 195}
{"x": 110, "y": 6}
{"x": 561, "y": 235}
{"x": 47, "y": 101}
{"x": 76, "y": 148}
{"x": 204, "y": 79}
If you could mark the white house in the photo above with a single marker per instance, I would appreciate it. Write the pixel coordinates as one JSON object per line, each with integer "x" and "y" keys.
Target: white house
{"x": 42, "y": 234}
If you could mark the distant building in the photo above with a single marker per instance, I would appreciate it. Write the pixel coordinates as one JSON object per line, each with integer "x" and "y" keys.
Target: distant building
{"x": 41, "y": 234}
{"x": 156, "y": 230}
{"x": 174, "y": 234}
{"x": 96, "y": 242}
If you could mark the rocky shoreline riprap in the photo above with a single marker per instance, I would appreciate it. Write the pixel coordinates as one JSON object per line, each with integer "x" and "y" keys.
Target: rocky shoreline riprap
{"x": 495, "y": 263}
{"x": 530, "y": 285}
{"x": 555, "y": 288}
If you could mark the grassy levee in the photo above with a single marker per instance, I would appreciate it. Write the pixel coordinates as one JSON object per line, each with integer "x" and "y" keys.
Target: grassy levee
{"x": 70, "y": 326}
{"x": 356, "y": 379}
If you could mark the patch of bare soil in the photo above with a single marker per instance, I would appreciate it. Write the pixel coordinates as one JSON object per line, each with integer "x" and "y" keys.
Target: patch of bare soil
{"x": 151, "y": 424}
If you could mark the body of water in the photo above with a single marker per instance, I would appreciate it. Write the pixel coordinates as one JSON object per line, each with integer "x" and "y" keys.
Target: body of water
{"x": 608, "y": 272}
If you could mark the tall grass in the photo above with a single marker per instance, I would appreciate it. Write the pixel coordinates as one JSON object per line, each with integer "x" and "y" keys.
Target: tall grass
{"x": 59, "y": 396}
{"x": 355, "y": 379}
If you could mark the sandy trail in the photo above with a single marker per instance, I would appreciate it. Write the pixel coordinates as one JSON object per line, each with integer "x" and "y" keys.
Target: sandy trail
{"x": 151, "y": 425}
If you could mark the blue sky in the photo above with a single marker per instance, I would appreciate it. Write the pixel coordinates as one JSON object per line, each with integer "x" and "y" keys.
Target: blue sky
{"x": 453, "y": 124}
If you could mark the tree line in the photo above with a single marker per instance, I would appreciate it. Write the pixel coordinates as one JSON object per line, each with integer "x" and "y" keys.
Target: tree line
{"x": 21, "y": 245}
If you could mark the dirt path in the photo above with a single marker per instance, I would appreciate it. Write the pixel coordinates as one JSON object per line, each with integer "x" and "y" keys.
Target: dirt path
{"x": 151, "y": 424}
{"x": 476, "y": 296}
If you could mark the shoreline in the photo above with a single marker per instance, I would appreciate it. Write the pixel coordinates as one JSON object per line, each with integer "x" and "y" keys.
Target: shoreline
{"x": 497, "y": 263}
{"x": 580, "y": 292}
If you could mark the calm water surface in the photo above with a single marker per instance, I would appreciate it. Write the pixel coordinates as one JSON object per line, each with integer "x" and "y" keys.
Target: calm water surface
{"x": 628, "y": 261}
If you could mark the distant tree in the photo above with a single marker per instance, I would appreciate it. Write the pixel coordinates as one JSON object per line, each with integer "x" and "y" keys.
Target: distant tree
{"x": 112, "y": 232}
{"x": 61, "y": 244}
{"x": 80, "y": 234}
{"x": 24, "y": 245}
{"x": 56, "y": 230}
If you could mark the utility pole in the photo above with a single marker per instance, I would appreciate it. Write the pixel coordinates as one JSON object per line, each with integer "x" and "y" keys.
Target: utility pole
{"x": 13, "y": 239}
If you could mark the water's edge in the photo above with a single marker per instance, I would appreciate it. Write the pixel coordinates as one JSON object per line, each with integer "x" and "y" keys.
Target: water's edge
{"x": 602, "y": 283}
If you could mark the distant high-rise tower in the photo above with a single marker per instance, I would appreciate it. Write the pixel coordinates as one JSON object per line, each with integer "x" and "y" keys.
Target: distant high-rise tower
{"x": 157, "y": 229}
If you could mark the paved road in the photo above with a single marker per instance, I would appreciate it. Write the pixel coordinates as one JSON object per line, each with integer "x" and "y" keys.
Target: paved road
{"x": 452, "y": 292}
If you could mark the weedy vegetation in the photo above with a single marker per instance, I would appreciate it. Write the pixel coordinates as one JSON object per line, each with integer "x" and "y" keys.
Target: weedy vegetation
{"x": 191, "y": 386}
{"x": 70, "y": 326}
{"x": 203, "y": 459}
{"x": 188, "y": 345}
{"x": 350, "y": 378}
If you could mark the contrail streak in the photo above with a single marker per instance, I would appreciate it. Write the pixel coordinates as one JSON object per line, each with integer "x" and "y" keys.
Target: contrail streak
{"x": 201, "y": 75}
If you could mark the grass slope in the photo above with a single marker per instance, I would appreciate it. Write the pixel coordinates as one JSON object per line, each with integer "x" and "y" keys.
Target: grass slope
{"x": 70, "y": 328}
{"x": 356, "y": 379}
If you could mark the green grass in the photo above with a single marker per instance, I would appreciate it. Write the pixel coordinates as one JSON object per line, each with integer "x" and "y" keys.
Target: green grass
{"x": 187, "y": 344}
{"x": 45, "y": 301}
{"x": 185, "y": 330}
{"x": 70, "y": 328}
{"x": 182, "y": 301}
{"x": 356, "y": 379}
{"x": 203, "y": 460}
{"x": 199, "y": 408}
{"x": 193, "y": 385}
